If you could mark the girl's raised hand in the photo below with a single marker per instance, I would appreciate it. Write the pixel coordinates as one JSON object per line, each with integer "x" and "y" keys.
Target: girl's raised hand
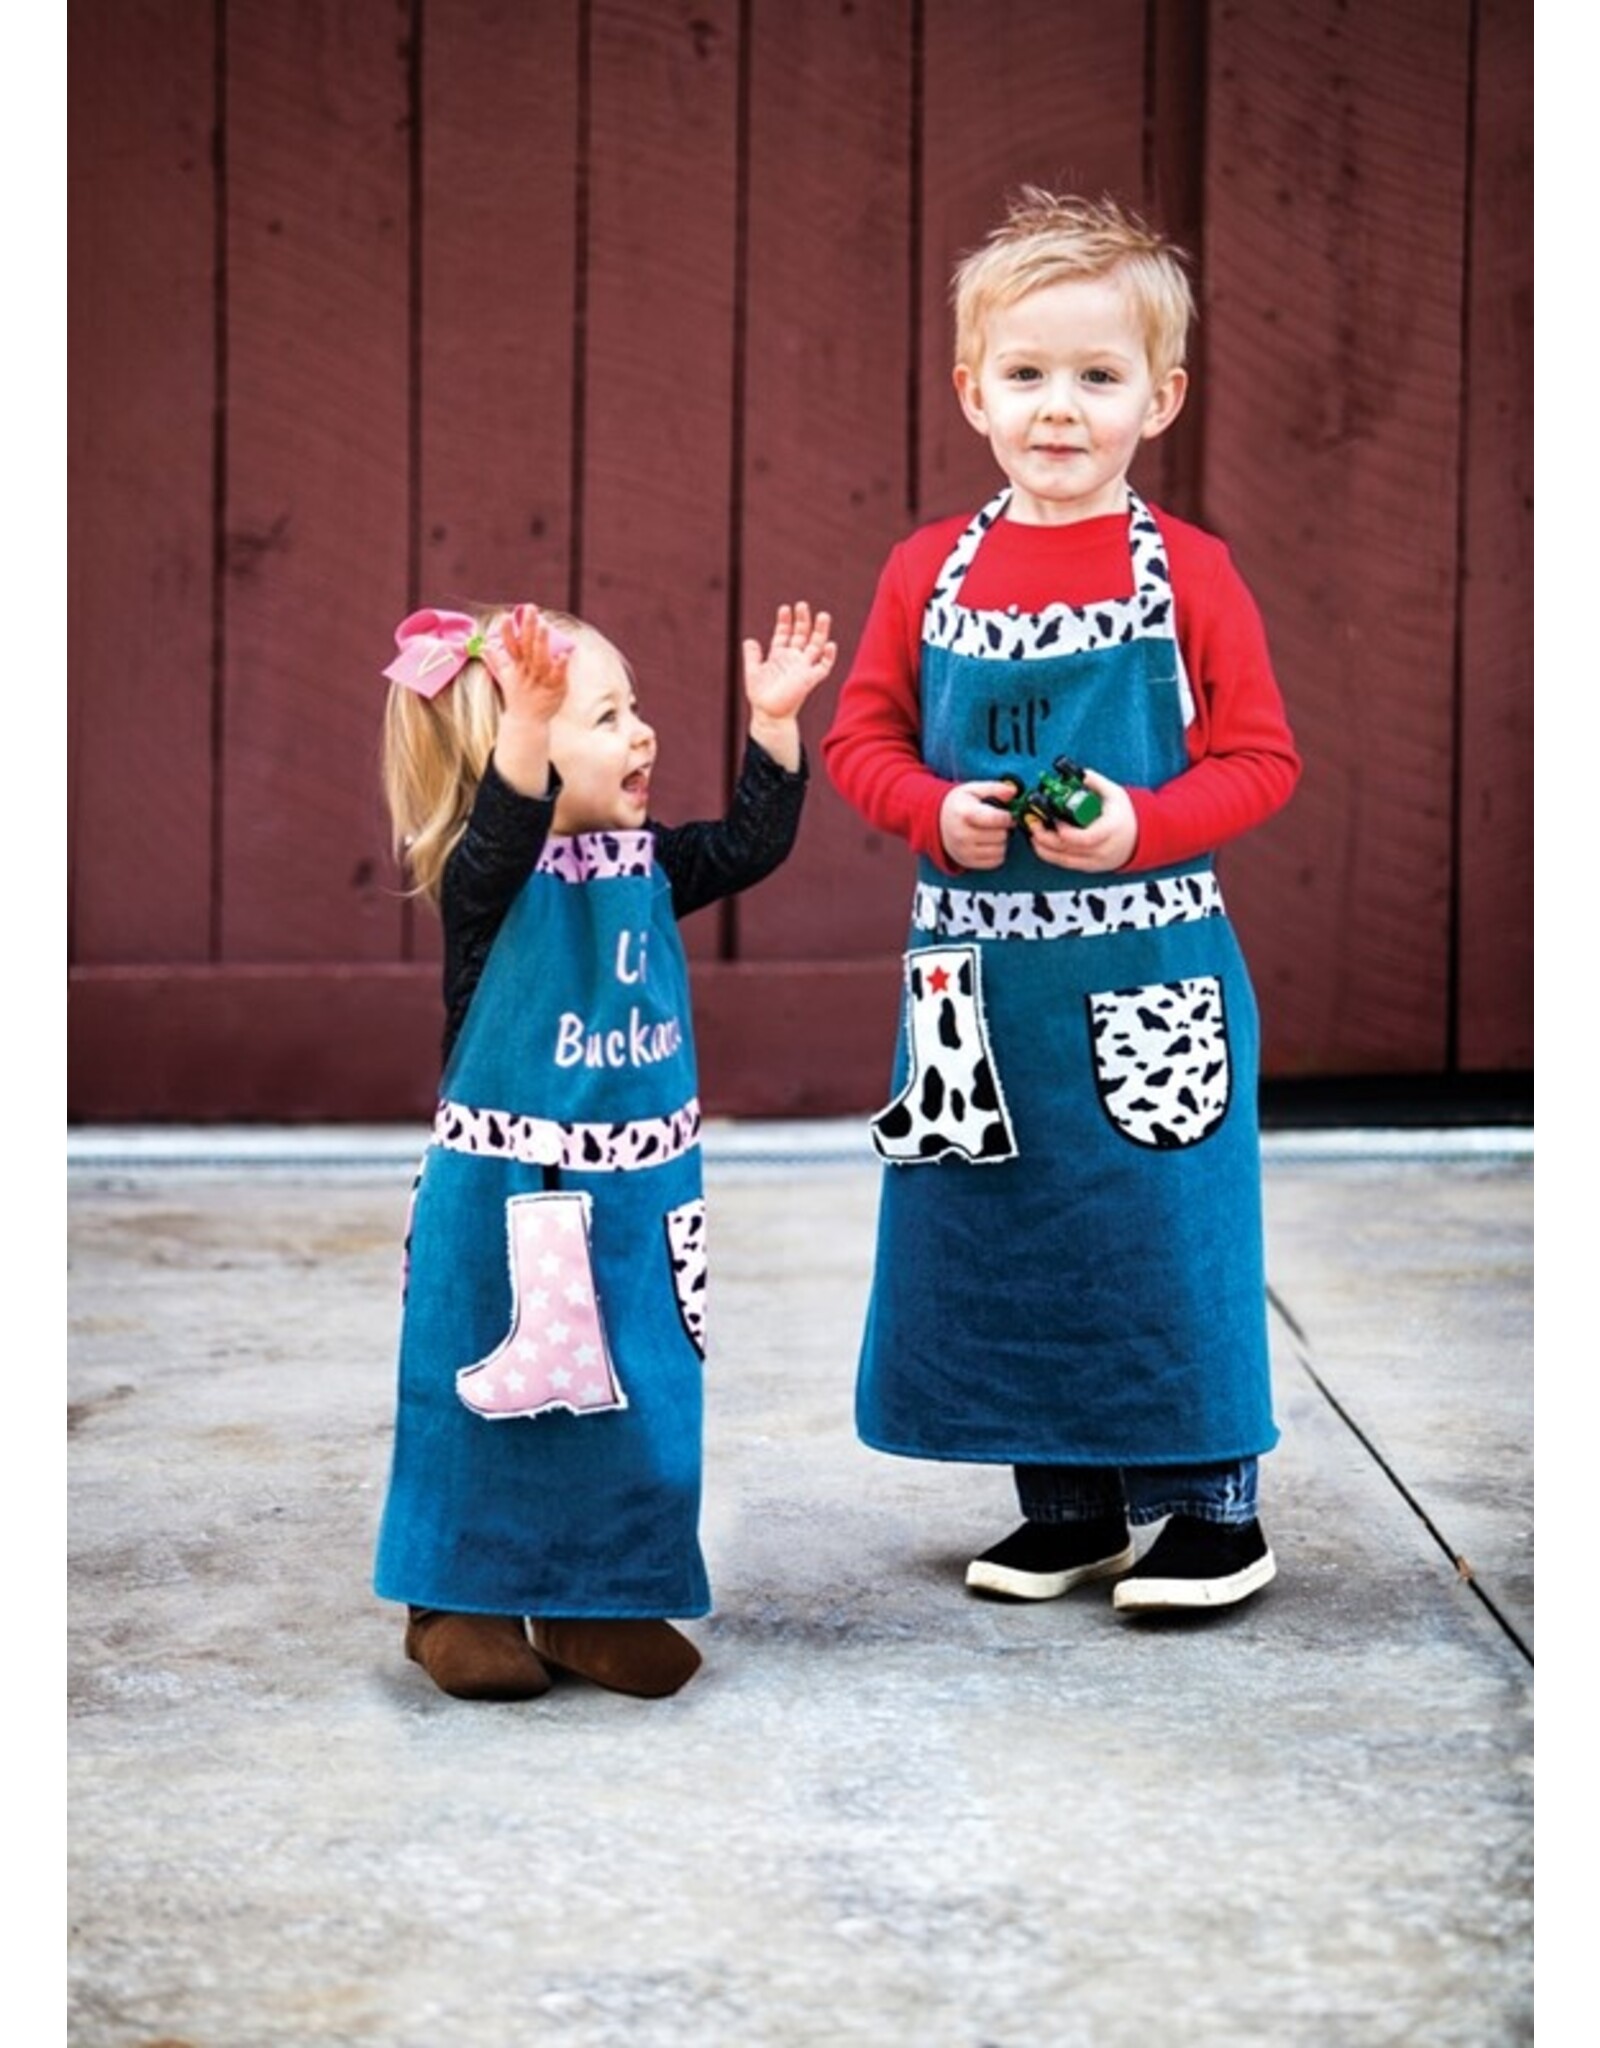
{"x": 527, "y": 657}
{"x": 800, "y": 657}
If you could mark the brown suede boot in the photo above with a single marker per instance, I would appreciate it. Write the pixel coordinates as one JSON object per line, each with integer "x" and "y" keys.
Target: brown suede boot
{"x": 646, "y": 1658}
{"x": 475, "y": 1656}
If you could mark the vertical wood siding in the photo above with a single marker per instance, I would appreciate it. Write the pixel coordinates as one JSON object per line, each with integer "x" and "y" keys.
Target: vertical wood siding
{"x": 142, "y": 457}
{"x": 641, "y": 309}
{"x": 1492, "y": 926}
{"x": 315, "y": 381}
{"x": 1334, "y": 213}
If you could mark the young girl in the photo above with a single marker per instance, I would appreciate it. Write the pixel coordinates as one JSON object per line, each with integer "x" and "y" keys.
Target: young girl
{"x": 547, "y": 1444}
{"x": 1069, "y": 1276}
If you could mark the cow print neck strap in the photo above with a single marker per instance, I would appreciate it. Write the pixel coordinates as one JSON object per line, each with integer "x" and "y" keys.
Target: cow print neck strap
{"x": 1016, "y": 635}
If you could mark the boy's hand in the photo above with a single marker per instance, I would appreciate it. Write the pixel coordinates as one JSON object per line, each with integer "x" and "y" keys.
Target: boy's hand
{"x": 972, "y": 825}
{"x": 776, "y": 684}
{"x": 1091, "y": 849}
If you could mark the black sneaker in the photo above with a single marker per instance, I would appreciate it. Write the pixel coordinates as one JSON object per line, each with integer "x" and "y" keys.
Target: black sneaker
{"x": 1197, "y": 1564}
{"x": 1043, "y": 1560}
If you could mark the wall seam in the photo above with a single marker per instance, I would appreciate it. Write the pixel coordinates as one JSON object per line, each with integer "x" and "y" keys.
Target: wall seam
{"x": 414, "y": 375}
{"x": 915, "y": 215}
{"x": 733, "y": 692}
{"x": 581, "y": 202}
{"x": 1458, "y": 663}
{"x": 219, "y": 471}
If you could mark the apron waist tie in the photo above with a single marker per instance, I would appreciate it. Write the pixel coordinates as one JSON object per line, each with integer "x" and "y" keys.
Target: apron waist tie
{"x": 1065, "y": 913}
{"x": 579, "y": 1147}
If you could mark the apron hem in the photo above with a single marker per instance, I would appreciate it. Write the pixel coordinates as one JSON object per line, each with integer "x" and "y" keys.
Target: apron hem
{"x": 1077, "y": 1460}
{"x": 544, "y": 1611}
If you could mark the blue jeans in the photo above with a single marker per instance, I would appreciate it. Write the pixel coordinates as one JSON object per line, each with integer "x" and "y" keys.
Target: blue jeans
{"x": 1083, "y": 1493}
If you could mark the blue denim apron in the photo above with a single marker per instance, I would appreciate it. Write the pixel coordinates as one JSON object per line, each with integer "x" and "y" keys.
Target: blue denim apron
{"x": 1069, "y": 1262}
{"x": 548, "y": 1435}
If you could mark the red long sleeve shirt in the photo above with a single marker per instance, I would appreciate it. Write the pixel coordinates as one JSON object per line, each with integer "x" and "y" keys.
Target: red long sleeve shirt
{"x": 1243, "y": 761}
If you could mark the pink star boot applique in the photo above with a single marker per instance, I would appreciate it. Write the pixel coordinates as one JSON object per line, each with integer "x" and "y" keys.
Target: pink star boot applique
{"x": 555, "y": 1353}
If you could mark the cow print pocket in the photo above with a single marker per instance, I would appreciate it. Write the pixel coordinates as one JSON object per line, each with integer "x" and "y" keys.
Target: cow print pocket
{"x": 1161, "y": 1060}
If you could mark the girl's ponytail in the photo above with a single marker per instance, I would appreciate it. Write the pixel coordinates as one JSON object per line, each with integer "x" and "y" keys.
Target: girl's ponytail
{"x": 435, "y": 750}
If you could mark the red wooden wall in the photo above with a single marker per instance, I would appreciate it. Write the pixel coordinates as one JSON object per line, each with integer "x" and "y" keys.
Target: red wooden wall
{"x": 640, "y": 309}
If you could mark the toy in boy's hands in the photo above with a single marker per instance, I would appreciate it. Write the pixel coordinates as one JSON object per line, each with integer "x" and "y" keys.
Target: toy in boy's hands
{"x": 1060, "y": 796}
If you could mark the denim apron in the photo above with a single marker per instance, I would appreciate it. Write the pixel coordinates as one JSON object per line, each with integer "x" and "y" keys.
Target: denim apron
{"x": 548, "y": 1433}
{"x": 1069, "y": 1262}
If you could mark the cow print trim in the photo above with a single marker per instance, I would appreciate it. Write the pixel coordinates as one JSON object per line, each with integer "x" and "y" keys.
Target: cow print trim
{"x": 581, "y": 1148}
{"x": 1016, "y": 635}
{"x": 1087, "y": 913}
{"x": 598, "y": 856}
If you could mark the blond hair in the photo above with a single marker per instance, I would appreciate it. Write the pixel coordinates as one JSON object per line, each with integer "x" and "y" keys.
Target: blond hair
{"x": 435, "y": 751}
{"x": 1048, "y": 237}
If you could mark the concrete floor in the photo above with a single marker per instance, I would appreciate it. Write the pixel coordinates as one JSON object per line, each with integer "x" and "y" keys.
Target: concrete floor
{"x": 885, "y": 1813}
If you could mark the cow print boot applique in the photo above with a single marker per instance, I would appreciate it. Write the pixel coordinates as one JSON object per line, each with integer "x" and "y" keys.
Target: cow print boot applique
{"x": 951, "y": 1102}
{"x": 555, "y": 1353}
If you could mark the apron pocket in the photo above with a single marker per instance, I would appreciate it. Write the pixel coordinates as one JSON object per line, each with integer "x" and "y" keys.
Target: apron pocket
{"x": 1161, "y": 1062}
{"x": 686, "y": 1252}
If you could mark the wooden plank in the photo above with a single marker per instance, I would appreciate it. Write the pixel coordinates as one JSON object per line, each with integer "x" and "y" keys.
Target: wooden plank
{"x": 1044, "y": 92}
{"x": 359, "y": 1043}
{"x": 253, "y": 1044}
{"x": 658, "y": 378}
{"x": 318, "y": 466}
{"x": 499, "y": 292}
{"x": 1332, "y": 296}
{"x": 1171, "y": 470}
{"x": 824, "y": 475}
{"x": 500, "y": 172}
{"x": 141, "y": 285}
{"x": 795, "y": 1038}
{"x": 1495, "y": 844}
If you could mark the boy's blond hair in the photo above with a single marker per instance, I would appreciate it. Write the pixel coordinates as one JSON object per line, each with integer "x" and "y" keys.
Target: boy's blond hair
{"x": 1047, "y": 237}
{"x": 435, "y": 751}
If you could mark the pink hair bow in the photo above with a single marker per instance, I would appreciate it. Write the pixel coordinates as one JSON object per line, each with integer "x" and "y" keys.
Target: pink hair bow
{"x": 434, "y": 648}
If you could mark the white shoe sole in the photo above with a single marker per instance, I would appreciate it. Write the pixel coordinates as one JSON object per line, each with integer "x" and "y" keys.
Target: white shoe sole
{"x": 984, "y": 1577}
{"x": 1133, "y": 1595}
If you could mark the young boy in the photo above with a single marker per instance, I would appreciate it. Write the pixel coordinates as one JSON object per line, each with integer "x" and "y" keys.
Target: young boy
{"x": 1069, "y": 1271}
